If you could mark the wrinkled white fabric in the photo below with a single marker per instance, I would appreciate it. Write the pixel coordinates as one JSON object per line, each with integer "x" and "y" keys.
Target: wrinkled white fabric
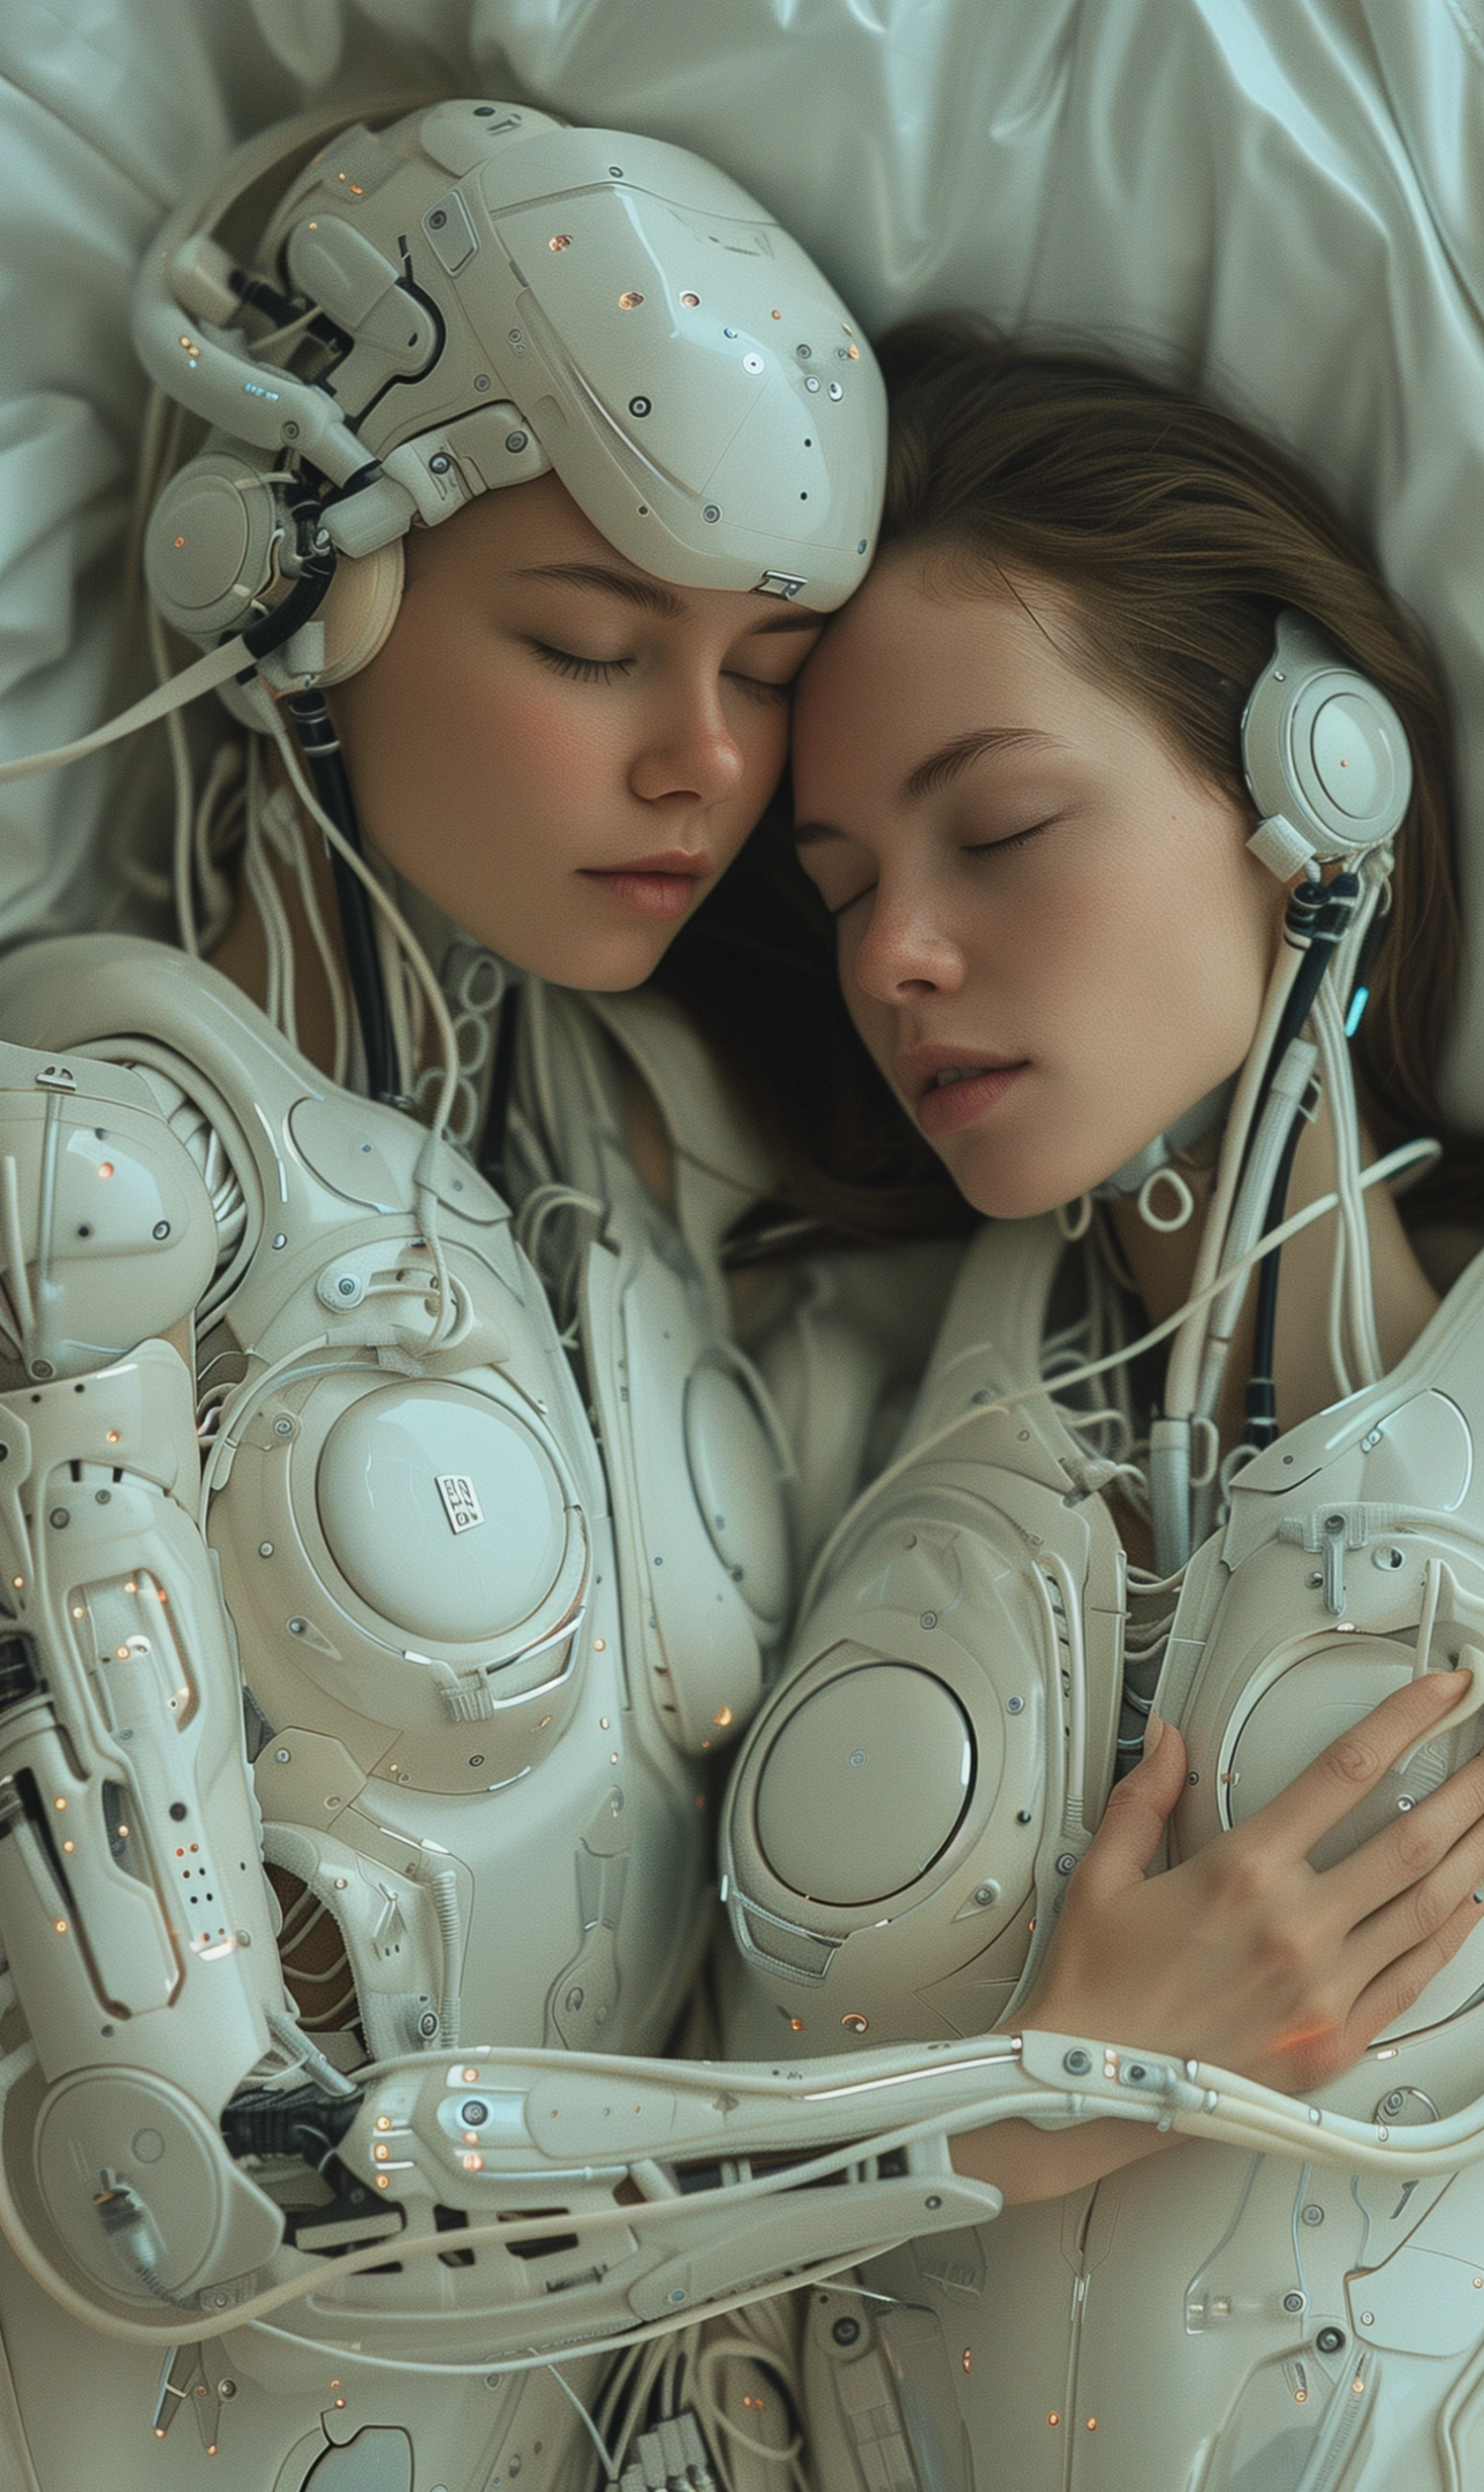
{"x": 1281, "y": 204}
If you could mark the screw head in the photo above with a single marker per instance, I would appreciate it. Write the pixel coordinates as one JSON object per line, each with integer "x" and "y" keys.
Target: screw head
{"x": 1015, "y": 1705}
{"x": 439, "y": 464}
{"x": 1313, "y": 2215}
{"x": 283, "y": 1428}
{"x": 1066, "y": 1864}
{"x": 1293, "y": 2301}
{"x": 846, "y": 2331}
{"x": 1078, "y": 2063}
{"x": 161, "y": 1229}
{"x": 640, "y": 406}
{"x": 437, "y": 221}
{"x": 1330, "y": 2339}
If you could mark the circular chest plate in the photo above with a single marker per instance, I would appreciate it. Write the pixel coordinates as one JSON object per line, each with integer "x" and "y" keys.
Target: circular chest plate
{"x": 864, "y": 1785}
{"x": 1317, "y": 1700}
{"x": 442, "y": 1511}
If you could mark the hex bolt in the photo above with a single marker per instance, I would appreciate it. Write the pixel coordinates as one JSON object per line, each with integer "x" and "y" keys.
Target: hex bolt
{"x": 1293, "y": 2301}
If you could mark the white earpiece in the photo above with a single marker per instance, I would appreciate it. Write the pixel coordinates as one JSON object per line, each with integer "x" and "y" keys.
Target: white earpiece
{"x": 1325, "y": 754}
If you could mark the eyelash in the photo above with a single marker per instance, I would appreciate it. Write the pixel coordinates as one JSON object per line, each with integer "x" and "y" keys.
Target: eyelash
{"x": 580, "y": 670}
{"x": 983, "y": 848}
{"x": 602, "y": 671}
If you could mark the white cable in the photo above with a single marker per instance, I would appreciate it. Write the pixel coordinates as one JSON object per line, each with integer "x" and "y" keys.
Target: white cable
{"x": 1328, "y": 1020}
{"x": 426, "y": 1192}
{"x": 1405, "y": 1156}
{"x": 1185, "y": 1360}
{"x": 203, "y": 677}
{"x": 1280, "y": 1112}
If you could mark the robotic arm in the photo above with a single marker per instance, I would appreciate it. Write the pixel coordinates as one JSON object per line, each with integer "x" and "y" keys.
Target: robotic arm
{"x": 136, "y": 1917}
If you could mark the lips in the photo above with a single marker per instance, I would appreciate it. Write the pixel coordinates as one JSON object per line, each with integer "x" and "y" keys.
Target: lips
{"x": 662, "y": 886}
{"x": 949, "y": 1088}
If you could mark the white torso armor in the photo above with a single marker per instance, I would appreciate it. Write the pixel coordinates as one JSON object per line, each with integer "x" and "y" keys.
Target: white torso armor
{"x": 477, "y": 1690}
{"x": 1209, "y": 2320}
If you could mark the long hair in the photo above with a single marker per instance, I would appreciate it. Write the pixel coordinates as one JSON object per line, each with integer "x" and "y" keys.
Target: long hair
{"x": 1175, "y": 535}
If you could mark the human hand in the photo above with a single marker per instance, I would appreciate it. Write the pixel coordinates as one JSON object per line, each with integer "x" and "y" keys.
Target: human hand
{"x": 1246, "y": 1956}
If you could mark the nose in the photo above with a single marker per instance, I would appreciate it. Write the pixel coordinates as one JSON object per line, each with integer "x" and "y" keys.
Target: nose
{"x": 689, "y": 753}
{"x": 902, "y": 952}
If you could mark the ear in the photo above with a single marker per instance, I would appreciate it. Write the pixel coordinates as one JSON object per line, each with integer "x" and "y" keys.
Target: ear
{"x": 359, "y": 609}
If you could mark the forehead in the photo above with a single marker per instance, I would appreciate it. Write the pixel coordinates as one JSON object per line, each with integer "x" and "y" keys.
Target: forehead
{"x": 536, "y": 529}
{"x": 917, "y": 657}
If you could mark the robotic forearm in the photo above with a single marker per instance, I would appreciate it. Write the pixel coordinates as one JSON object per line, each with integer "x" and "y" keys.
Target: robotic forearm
{"x": 136, "y": 1918}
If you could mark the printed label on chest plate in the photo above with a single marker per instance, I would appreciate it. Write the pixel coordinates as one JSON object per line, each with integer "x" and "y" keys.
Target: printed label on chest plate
{"x": 460, "y": 1503}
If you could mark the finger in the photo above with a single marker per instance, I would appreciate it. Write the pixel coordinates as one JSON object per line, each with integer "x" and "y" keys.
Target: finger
{"x": 1401, "y": 1854}
{"x": 1414, "y": 1915}
{"x": 1135, "y": 1818}
{"x": 1403, "y": 1980}
{"x": 1352, "y": 1765}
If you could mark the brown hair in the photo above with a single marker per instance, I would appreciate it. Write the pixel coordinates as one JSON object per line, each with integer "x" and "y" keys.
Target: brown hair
{"x": 1177, "y": 534}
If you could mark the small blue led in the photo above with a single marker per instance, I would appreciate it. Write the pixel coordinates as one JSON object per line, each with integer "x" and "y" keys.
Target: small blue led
{"x": 1358, "y": 1002}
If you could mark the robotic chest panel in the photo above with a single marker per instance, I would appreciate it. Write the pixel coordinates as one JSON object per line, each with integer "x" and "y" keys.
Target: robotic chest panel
{"x": 910, "y": 1802}
{"x": 1352, "y": 1561}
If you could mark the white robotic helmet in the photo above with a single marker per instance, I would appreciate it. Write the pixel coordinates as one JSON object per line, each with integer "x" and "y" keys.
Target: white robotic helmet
{"x": 468, "y": 297}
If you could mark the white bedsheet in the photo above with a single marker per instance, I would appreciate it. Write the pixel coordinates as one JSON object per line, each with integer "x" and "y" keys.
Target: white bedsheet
{"x": 1281, "y": 199}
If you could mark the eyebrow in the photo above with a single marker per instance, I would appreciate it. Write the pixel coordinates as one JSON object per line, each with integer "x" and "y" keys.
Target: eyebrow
{"x": 654, "y": 597}
{"x": 951, "y": 760}
{"x": 939, "y": 771}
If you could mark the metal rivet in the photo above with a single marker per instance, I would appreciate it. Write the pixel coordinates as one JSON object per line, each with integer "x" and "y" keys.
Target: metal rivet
{"x": 640, "y": 406}
{"x": 1016, "y": 1704}
{"x": 58, "y": 1517}
{"x": 711, "y": 513}
{"x": 161, "y": 1229}
{"x": 1078, "y": 2063}
{"x": 439, "y": 464}
{"x": 1330, "y": 2339}
{"x": 1293, "y": 2301}
{"x": 1066, "y": 1864}
{"x": 283, "y": 1428}
{"x": 514, "y": 442}
{"x": 846, "y": 2331}
{"x": 282, "y": 1756}
{"x": 1313, "y": 2215}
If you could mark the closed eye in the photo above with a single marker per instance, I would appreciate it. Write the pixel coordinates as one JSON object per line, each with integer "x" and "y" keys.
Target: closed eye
{"x": 580, "y": 670}
{"x": 759, "y": 687}
{"x": 1002, "y": 847}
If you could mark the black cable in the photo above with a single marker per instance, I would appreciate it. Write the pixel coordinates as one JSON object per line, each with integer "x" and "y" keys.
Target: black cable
{"x": 1261, "y": 1400}
{"x": 502, "y": 1087}
{"x": 321, "y": 751}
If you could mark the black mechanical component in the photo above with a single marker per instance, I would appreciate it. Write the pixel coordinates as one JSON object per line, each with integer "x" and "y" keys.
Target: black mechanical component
{"x": 21, "y": 1672}
{"x": 321, "y": 751}
{"x": 304, "y": 2123}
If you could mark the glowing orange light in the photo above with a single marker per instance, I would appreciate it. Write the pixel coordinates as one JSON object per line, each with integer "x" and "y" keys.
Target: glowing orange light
{"x": 111, "y": 1437}
{"x": 383, "y": 2181}
{"x": 58, "y": 1804}
{"x": 724, "y": 1718}
{"x": 106, "y": 1169}
{"x": 1054, "y": 2420}
{"x": 69, "y": 1847}
{"x": 796, "y": 2024}
{"x": 472, "y": 2162}
{"x": 60, "y": 1928}
{"x": 1092, "y": 2421}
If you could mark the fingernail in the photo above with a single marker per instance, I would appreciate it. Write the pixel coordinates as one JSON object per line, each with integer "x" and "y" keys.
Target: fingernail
{"x": 1154, "y": 1732}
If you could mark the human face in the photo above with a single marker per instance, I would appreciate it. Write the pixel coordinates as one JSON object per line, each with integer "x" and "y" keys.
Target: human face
{"x": 559, "y": 750}
{"x": 1032, "y": 893}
